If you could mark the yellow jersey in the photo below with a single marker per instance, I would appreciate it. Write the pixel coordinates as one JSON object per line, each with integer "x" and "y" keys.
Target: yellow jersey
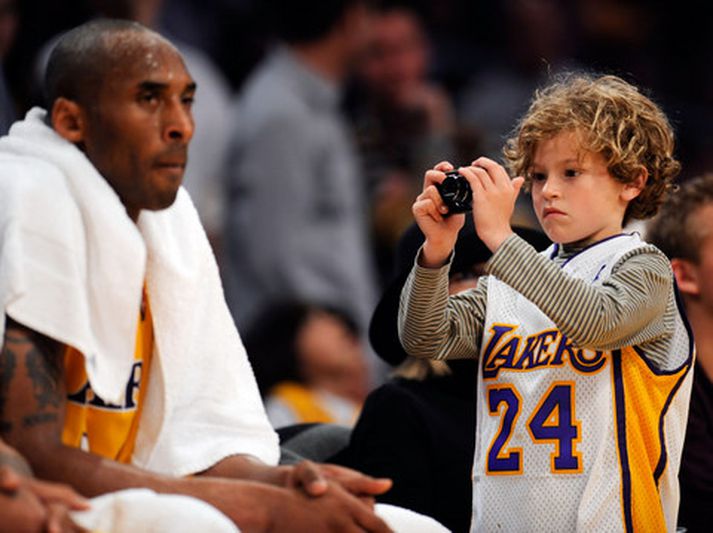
{"x": 99, "y": 427}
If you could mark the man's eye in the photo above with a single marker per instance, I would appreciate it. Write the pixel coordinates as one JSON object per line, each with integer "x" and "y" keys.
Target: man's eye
{"x": 188, "y": 100}
{"x": 148, "y": 98}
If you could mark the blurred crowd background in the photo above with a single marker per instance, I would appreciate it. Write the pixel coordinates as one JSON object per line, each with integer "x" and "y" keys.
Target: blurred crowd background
{"x": 663, "y": 46}
{"x": 434, "y": 80}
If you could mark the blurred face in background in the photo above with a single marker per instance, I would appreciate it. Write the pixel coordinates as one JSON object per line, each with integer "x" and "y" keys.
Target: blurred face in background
{"x": 396, "y": 59}
{"x": 355, "y": 31}
{"x": 8, "y": 25}
{"x": 332, "y": 357}
{"x": 695, "y": 278}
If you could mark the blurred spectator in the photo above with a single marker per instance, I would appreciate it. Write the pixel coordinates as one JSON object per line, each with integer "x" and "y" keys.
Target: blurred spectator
{"x": 683, "y": 230}
{"x": 428, "y": 406}
{"x": 207, "y": 150}
{"x": 295, "y": 225}
{"x": 618, "y": 35}
{"x": 309, "y": 364}
{"x": 8, "y": 29}
{"x": 404, "y": 122}
{"x": 536, "y": 41}
{"x": 403, "y": 119}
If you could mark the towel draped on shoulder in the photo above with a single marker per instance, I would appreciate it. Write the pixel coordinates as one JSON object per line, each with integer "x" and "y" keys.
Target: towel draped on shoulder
{"x": 72, "y": 267}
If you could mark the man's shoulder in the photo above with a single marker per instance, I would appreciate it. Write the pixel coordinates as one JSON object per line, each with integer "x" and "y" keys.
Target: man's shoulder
{"x": 34, "y": 190}
{"x": 23, "y": 176}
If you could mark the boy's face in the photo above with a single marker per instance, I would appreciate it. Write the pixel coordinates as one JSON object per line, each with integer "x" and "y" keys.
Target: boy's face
{"x": 575, "y": 198}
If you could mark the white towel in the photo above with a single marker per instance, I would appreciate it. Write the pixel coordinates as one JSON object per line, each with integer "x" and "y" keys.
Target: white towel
{"x": 72, "y": 266}
{"x": 132, "y": 510}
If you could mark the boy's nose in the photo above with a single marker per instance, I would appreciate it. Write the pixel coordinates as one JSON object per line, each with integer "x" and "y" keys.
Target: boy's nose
{"x": 550, "y": 188}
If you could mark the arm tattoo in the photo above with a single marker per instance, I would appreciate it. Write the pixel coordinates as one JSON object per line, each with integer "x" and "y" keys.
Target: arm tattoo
{"x": 43, "y": 360}
{"x": 7, "y": 371}
{"x": 45, "y": 371}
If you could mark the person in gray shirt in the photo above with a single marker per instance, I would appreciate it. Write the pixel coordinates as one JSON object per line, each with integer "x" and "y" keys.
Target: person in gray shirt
{"x": 295, "y": 224}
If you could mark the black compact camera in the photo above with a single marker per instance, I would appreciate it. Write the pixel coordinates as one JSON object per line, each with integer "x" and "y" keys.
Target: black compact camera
{"x": 456, "y": 193}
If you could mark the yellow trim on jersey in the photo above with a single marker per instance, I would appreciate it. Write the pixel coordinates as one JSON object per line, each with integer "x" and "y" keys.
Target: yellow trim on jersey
{"x": 302, "y": 401}
{"x": 103, "y": 429}
{"x": 646, "y": 395}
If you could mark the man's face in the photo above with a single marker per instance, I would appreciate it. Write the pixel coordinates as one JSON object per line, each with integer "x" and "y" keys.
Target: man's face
{"x": 138, "y": 128}
{"x": 395, "y": 64}
{"x": 703, "y": 269}
{"x": 8, "y": 25}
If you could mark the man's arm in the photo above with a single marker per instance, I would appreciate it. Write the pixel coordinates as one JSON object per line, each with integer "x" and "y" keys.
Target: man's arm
{"x": 32, "y": 402}
{"x": 313, "y": 478}
{"x": 28, "y": 504}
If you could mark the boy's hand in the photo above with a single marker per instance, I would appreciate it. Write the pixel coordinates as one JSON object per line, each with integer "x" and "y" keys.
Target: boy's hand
{"x": 494, "y": 195}
{"x": 440, "y": 231}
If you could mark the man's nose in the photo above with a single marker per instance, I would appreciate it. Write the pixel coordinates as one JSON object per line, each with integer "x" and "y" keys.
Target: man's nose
{"x": 178, "y": 123}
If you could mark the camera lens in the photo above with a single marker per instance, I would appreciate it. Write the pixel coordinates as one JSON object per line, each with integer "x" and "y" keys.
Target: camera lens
{"x": 456, "y": 193}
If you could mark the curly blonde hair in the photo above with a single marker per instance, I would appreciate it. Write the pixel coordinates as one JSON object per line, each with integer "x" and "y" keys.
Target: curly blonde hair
{"x": 610, "y": 117}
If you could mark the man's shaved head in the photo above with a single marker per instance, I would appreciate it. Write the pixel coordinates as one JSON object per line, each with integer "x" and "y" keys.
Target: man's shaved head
{"x": 83, "y": 57}
{"x": 122, "y": 94}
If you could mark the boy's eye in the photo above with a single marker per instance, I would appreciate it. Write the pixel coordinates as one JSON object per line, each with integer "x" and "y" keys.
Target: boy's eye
{"x": 571, "y": 173}
{"x": 537, "y": 176}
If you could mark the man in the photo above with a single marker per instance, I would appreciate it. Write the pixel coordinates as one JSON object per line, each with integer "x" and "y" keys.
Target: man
{"x": 684, "y": 231}
{"x": 117, "y": 340}
{"x": 295, "y": 225}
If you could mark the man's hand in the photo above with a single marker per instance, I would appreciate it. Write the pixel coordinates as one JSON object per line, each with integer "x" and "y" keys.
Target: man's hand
{"x": 336, "y": 510}
{"x": 27, "y": 504}
{"x": 314, "y": 479}
{"x": 259, "y": 507}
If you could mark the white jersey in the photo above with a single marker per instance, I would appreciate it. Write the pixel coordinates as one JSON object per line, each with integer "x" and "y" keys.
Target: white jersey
{"x": 572, "y": 439}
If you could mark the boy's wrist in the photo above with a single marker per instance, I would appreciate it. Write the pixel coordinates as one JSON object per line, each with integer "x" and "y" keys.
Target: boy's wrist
{"x": 432, "y": 256}
{"x": 494, "y": 239}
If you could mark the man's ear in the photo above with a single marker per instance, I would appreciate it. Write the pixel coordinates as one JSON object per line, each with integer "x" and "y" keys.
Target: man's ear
{"x": 633, "y": 189}
{"x": 68, "y": 119}
{"x": 686, "y": 274}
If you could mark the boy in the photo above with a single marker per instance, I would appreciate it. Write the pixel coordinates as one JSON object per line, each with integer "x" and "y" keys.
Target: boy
{"x": 583, "y": 381}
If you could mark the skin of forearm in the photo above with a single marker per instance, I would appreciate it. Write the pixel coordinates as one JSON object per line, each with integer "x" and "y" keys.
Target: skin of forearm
{"x": 12, "y": 459}
{"x": 250, "y": 468}
{"x": 91, "y": 475}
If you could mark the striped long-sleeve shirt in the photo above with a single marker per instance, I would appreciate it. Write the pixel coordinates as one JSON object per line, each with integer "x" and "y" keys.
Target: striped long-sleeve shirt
{"x": 634, "y": 306}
